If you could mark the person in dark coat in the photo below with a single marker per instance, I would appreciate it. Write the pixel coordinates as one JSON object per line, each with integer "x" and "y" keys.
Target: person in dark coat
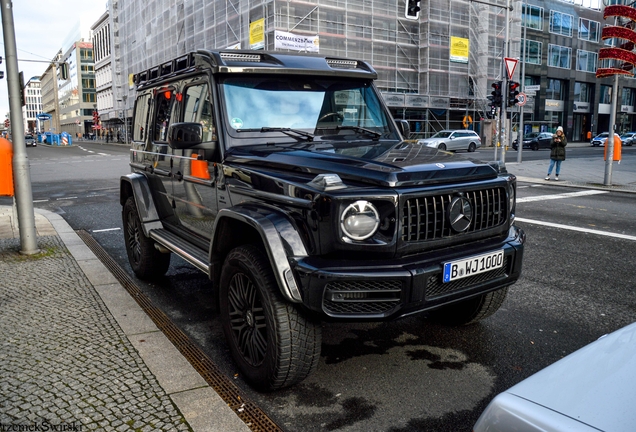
{"x": 557, "y": 152}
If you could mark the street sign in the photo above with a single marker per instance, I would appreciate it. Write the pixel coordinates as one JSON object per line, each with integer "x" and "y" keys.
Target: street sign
{"x": 511, "y": 65}
{"x": 522, "y": 99}
{"x": 530, "y": 88}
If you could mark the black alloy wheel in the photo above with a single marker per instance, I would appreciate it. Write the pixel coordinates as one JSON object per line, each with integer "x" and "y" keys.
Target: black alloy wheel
{"x": 145, "y": 260}
{"x": 273, "y": 344}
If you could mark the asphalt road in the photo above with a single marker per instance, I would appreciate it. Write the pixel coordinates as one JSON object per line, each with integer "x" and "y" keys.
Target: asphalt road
{"x": 407, "y": 375}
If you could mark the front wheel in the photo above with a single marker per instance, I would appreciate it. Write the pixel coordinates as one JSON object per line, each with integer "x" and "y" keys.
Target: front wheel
{"x": 469, "y": 311}
{"x": 273, "y": 344}
{"x": 145, "y": 260}
{"x": 441, "y": 147}
{"x": 535, "y": 147}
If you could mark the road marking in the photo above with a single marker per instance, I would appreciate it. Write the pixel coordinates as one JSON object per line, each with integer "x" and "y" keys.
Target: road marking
{"x": 42, "y": 200}
{"x": 66, "y": 198}
{"x": 107, "y": 229}
{"x": 573, "y": 228}
{"x": 560, "y": 196}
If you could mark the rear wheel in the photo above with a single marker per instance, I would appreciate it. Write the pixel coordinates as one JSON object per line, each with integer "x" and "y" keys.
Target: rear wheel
{"x": 535, "y": 146}
{"x": 472, "y": 147}
{"x": 469, "y": 311}
{"x": 442, "y": 146}
{"x": 145, "y": 260}
{"x": 273, "y": 344}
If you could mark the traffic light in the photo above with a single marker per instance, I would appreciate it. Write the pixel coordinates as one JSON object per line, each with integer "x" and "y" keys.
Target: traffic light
{"x": 513, "y": 91}
{"x": 64, "y": 71}
{"x": 1, "y": 72}
{"x": 412, "y": 9}
{"x": 495, "y": 98}
{"x": 95, "y": 117}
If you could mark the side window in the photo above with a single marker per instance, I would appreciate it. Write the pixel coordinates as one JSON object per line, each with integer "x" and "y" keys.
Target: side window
{"x": 163, "y": 112}
{"x": 198, "y": 108}
{"x": 140, "y": 124}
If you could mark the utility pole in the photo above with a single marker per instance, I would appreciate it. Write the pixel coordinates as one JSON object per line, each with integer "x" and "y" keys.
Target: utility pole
{"x": 21, "y": 174}
{"x": 504, "y": 102}
{"x": 609, "y": 156}
{"x": 523, "y": 84}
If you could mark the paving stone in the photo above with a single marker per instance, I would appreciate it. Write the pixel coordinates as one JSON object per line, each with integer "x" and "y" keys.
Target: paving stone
{"x": 63, "y": 357}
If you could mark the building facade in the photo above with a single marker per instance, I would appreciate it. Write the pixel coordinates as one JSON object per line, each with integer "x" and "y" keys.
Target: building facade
{"x": 109, "y": 106}
{"x": 420, "y": 79}
{"x": 33, "y": 105}
{"x": 435, "y": 71}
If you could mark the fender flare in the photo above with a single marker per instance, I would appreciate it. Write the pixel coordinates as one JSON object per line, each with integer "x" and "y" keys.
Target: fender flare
{"x": 138, "y": 187}
{"x": 279, "y": 237}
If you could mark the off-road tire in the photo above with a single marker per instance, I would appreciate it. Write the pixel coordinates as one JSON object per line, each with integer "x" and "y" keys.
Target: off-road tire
{"x": 469, "y": 311}
{"x": 273, "y": 344}
{"x": 145, "y": 260}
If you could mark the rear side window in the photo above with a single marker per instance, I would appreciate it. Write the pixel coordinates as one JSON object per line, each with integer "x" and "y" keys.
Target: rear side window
{"x": 163, "y": 112}
{"x": 140, "y": 125}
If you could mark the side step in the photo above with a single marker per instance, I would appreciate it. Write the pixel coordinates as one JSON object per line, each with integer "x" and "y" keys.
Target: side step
{"x": 195, "y": 256}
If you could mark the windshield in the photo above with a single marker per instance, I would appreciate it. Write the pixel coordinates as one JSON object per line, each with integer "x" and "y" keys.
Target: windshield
{"x": 317, "y": 106}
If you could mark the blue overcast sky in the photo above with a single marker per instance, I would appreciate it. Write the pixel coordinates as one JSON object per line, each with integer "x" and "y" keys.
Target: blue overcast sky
{"x": 41, "y": 27}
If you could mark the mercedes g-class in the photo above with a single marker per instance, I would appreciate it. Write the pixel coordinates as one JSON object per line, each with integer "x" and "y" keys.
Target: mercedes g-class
{"x": 285, "y": 179}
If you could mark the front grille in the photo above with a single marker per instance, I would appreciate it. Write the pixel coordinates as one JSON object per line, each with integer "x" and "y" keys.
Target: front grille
{"x": 435, "y": 287}
{"x": 361, "y": 297}
{"x": 425, "y": 218}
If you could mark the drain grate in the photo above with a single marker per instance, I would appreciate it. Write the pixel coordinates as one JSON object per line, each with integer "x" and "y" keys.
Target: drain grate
{"x": 247, "y": 411}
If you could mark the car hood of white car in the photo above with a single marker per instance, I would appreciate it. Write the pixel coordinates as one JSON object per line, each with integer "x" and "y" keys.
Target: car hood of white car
{"x": 595, "y": 385}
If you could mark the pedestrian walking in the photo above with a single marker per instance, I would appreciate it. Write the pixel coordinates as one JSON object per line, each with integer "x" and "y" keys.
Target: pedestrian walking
{"x": 557, "y": 152}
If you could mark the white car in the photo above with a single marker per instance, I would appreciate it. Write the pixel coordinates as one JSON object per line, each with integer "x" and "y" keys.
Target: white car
{"x": 592, "y": 389}
{"x": 453, "y": 140}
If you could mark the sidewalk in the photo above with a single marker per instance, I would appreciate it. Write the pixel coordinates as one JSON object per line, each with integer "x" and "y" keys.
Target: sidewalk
{"x": 575, "y": 172}
{"x": 78, "y": 352}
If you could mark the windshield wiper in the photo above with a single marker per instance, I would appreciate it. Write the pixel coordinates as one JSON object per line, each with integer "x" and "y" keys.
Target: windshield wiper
{"x": 375, "y": 134}
{"x": 290, "y": 132}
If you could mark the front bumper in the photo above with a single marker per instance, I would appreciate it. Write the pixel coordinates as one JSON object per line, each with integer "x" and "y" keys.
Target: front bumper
{"x": 390, "y": 289}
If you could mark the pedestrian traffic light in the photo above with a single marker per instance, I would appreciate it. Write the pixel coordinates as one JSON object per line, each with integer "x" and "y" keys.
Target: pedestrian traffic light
{"x": 412, "y": 9}
{"x": 513, "y": 91}
{"x": 495, "y": 95}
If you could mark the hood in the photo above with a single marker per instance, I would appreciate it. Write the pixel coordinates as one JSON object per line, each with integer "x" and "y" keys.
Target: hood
{"x": 594, "y": 385}
{"x": 378, "y": 163}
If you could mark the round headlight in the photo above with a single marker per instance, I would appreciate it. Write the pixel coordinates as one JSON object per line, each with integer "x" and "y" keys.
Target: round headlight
{"x": 360, "y": 220}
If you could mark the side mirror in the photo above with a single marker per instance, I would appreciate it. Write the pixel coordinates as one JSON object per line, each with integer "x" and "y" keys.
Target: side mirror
{"x": 404, "y": 128}
{"x": 185, "y": 135}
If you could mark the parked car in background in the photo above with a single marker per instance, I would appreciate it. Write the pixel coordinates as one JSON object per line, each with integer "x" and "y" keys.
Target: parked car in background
{"x": 627, "y": 139}
{"x": 534, "y": 140}
{"x": 592, "y": 389}
{"x": 599, "y": 140}
{"x": 453, "y": 140}
{"x": 30, "y": 141}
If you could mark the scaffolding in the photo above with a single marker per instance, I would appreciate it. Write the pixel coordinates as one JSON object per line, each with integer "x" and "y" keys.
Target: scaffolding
{"x": 410, "y": 57}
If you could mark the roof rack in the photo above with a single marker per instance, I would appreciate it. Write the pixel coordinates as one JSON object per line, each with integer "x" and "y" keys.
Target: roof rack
{"x": 165, "y": 69}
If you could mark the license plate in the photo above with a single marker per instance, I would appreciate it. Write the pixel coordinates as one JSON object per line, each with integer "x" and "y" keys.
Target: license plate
{"x": 474, "y": 265}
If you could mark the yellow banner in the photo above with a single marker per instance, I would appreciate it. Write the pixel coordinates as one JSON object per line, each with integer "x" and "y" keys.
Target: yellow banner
{"x": 459, "y": 49}
{"x": 257, "y": 34}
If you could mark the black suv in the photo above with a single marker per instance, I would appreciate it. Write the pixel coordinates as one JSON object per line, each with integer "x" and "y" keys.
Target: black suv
{"x": 284, "y": 178}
